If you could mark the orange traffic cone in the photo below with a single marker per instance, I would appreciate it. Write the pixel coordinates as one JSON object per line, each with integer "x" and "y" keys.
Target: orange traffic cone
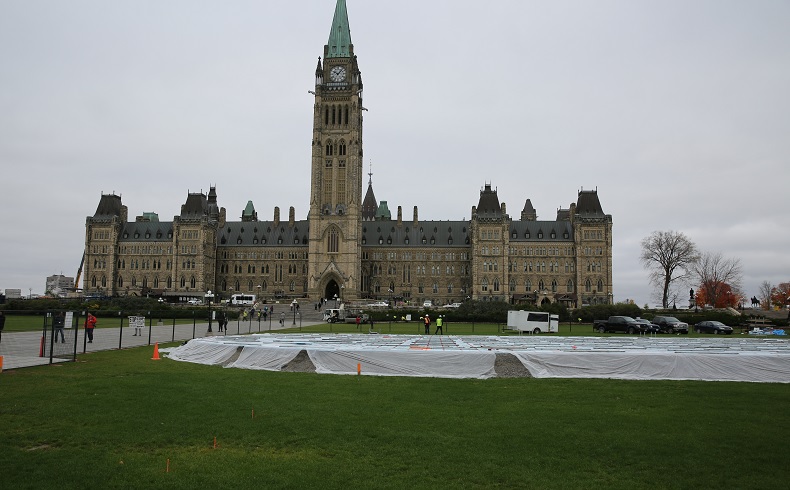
{"x": 156, "y": 352}
{"x": 1, "y": 364}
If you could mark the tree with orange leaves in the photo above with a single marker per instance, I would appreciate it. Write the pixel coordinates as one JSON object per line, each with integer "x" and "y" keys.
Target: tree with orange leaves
{"x": 717, "y": 295}
{"x": 780, "y": 295}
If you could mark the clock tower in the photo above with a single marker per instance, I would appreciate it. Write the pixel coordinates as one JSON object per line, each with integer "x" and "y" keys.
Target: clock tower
{"x": 336, "y": 168}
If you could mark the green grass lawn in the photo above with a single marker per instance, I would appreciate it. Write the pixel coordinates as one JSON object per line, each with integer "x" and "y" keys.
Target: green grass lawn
{"x": 113, "y": 419}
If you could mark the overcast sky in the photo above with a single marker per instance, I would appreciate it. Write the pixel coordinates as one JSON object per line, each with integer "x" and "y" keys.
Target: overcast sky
{"x": 677, "y": 111}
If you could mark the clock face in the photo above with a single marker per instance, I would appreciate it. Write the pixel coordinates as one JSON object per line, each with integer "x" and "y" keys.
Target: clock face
{"x": 338, "y": 74}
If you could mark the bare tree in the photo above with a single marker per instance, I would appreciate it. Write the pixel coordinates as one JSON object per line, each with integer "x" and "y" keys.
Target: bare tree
{"x": 669, "y": 256}
{"x": 718, "y": 276}
{"x": 765, "y": 294}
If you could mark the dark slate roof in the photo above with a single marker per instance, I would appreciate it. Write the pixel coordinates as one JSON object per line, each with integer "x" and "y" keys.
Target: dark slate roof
{"x": 528, "y": 208}
{"x": 195, "y": 207}
{"x": 588, "y": 204}
{"x": 369, "y": 206}
{"x": 109, "y": 207}
{"x": 147, "y": 231}
{"x": 263, "y": 233}
{"x": 563, "y": 214}
{"x": 426, "y": 233}
{"x": 488, "y": 206}
{"x": 562, "y": 229}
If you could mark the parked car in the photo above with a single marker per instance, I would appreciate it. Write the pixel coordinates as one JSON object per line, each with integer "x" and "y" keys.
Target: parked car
{"x": 378, "y": 304}
{"x": 670, "y": 324}
{"x": 646, "y": 327}
{"x": 427, "y": 303}
{"x": 712, "y": 326}
{"x": 452, "y": 305}
{"x": 617, "y": 323}
{"x": 195, "y": 302}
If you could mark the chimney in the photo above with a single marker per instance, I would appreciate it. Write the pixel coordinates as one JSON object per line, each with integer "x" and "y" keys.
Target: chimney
{"x": 400, "y": 216}
{"x": 291, "y": 214}
{"x": 276, "y": 216}
{"x": 416, "y": 221}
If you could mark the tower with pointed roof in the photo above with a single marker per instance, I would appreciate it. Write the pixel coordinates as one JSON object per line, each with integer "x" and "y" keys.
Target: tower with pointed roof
{"x": 336, "y": 169}
{"x": 351, "y": 247}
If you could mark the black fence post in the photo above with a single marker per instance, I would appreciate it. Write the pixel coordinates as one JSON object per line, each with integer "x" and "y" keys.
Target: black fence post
{"x": 120, "y": 330}
{"x": 150, "y": 327}
{"x": 174, "y": 330}
{"x": 51, "y": 329}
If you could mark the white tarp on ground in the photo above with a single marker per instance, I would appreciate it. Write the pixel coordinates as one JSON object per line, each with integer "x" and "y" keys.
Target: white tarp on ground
{"x": 420, "y": 363}
{"x": 200, "y": 352}
{"x": 622, "y": 357}
{"x": 254, "y": 357}
{"x": 764, "y": 368}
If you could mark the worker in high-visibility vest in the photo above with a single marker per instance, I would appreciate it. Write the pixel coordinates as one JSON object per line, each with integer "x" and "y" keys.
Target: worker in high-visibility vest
{"x": 439, "y": 323}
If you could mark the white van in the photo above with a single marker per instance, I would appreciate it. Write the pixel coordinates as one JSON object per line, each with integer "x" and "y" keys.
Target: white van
{"x": 532, "y": 321}
{"x": 242, "y": 299}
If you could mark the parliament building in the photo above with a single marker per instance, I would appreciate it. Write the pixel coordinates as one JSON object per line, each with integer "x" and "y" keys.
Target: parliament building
{"x": 351, "y": 246}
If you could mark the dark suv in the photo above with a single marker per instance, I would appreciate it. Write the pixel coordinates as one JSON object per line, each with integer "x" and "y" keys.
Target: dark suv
{"x": 670, "y": 324}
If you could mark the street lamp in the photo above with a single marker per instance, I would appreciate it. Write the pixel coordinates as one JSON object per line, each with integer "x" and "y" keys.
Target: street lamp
{"x": 294, "y": 306}
{"x": 390, "y": 291}
{"x": 209, "y": 297}
{"x": 335, "y": 300}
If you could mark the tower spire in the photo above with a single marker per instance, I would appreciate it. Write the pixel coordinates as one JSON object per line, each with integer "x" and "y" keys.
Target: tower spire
{"x": 339, "y": 44}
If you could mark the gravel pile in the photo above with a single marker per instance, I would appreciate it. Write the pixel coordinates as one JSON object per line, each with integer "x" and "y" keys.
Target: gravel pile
{"x": 508, "y": 366}
{"x": 300, "y": 364}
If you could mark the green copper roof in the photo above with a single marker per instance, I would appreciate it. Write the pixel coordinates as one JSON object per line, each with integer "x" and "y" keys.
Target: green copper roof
{"x": 249, "y": 210}
{"x": 383, "y": 212}
{"x": 340, "y": 35}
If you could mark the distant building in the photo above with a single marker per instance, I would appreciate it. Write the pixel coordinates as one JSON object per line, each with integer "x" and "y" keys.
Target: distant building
{"x": 59, "y": 285}
{"x": 13, "y": 293}
{"x": 352, "y": 247}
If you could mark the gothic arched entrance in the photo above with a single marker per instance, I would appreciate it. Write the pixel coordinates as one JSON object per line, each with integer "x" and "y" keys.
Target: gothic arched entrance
{"x": 332, "y": 290}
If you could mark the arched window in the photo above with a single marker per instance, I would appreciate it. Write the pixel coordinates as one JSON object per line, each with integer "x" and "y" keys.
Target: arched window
{"x": 485, "y": 284}
{"x": 588, "y": 286}
{"x": 333, "y": 241}
{"x": 569, "y": 286}
{"x": 600, "y": 285}
{"x": 541, "y": 285}
{"x": 554, "y": 285}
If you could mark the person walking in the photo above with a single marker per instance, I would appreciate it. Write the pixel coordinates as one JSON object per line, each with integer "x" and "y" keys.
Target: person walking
{"x": 439, "y": 324}
{"x": 90, "y": 324}
{"x": 427, "y": 320}
{"x": 221, "y": 320}
{"x": 59, "y": 322}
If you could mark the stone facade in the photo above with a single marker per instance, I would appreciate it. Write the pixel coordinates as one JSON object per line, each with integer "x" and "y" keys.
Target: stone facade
{"x": 350, "y": 247}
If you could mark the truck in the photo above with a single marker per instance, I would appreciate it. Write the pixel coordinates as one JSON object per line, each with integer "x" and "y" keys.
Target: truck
{"x": 670, "y": 324}
{"x": 618, "y": 323}
{"x": 532, "y": 321}
{"x": 341, "y": 315}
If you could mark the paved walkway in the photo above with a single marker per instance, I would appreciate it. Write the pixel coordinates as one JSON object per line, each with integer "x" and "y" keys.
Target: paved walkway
{"x": 25, "y": 349}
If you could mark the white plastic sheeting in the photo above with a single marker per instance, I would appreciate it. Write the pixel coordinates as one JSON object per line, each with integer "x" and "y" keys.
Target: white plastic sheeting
{"x": 651, "y": 365}
{"x": 267, "y": 359}
{"x": 621, "y": 357}
{"x": 420, "y": 363}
